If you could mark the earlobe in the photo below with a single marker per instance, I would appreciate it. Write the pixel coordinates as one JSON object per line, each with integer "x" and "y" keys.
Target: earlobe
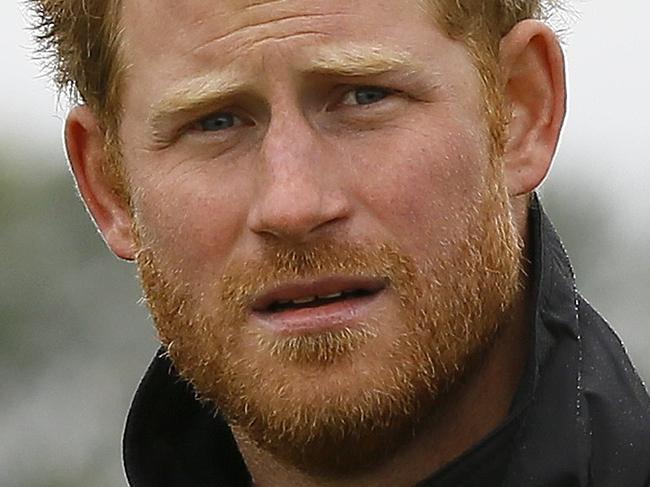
{"x": 532, "y": 62}
{"x": 86, "y": 149}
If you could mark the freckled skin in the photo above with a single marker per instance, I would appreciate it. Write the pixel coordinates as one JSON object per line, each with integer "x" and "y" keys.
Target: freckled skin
{"x": 299, "y": 175}
{"x": 301, "y": 165}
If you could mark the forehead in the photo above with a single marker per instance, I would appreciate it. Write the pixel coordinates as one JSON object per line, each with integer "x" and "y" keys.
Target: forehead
{"x": 205, "y": 34}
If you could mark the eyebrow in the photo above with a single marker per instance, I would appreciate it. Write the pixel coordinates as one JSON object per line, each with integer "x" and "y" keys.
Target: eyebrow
{"x": 360, "y": 60}
{"x": 192, "y": 95}
{"x": 335, "y": 60}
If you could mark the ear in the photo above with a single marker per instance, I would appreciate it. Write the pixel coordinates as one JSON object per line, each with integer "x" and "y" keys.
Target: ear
{"x": 85, "y": 144}
{"x": 532, "y": 62}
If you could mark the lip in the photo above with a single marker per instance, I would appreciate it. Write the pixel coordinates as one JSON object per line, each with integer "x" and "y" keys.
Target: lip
{"x": 315, "y": 287}
{"x": 337, "y": 314}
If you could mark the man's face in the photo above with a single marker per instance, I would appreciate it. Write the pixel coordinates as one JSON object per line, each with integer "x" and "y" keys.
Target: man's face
{"x": 284, "y": 150}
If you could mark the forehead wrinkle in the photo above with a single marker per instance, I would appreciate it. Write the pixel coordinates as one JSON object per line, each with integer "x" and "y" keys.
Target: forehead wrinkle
{"x": 359, "y": 60}
{"x": 262, "y": 3}
{"x": 253, "y": 26}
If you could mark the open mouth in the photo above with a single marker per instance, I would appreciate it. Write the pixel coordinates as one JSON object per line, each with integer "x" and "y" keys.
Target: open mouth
{"x": 316, "y": 294}
{"x": 316, "y": 301}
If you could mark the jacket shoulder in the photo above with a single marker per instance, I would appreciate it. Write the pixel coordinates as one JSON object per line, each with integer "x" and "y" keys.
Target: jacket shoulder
{"x": 617, "y": 405}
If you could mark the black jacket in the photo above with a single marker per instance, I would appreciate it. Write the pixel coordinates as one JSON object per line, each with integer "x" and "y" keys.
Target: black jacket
{"x": 581, "y": 416}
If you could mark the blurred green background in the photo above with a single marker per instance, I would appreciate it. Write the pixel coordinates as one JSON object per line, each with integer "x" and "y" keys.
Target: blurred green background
{"x": 74, "y": 341}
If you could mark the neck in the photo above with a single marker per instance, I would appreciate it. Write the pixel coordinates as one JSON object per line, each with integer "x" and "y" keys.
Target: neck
{"x": 471, "y": 410}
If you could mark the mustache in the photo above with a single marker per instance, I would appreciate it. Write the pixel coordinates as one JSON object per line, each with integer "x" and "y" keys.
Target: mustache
{"x": 278, "y": 263}
{"x": 234, "y": 290}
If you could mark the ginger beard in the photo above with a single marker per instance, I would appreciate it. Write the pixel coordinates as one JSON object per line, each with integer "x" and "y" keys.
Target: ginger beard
{"x": 338, "y": 402}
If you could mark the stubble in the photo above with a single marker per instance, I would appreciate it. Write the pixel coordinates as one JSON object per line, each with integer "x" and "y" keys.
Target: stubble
{"x": 336, "y": 402}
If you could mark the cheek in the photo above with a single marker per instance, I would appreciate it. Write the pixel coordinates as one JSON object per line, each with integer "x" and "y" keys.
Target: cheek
{"x": 419, "y": 182}
{"x": 189, "y": 217}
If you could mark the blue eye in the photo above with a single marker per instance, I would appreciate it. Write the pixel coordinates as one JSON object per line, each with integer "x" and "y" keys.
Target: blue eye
{"x": 366, "y": 95}
{"x": 217, "y": 121}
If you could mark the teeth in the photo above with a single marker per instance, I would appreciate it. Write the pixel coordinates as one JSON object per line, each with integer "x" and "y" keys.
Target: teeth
{"x": 331, "y": 296}
{"x": 309, "y": 299}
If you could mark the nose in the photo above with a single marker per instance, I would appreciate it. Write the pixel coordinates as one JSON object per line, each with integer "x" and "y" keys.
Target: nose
{"x": 299, "y": 194}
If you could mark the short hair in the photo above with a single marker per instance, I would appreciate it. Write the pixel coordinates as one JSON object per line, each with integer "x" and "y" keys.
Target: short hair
{"x": 79, "y": 41}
